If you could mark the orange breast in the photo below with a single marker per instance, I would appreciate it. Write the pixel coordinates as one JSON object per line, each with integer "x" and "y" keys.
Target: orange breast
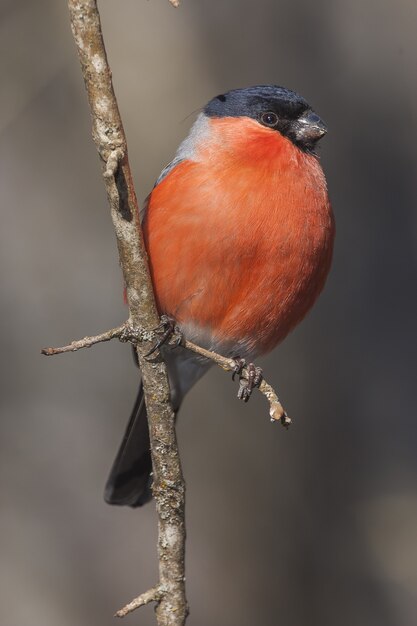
{"x": 240, "y": 240}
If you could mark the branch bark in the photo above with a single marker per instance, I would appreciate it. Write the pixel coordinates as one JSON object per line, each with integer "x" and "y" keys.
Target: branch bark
{"x": 109, "y": 137}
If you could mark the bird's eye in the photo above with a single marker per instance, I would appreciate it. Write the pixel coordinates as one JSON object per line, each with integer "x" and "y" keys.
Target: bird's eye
{"x": 269, "y": 119}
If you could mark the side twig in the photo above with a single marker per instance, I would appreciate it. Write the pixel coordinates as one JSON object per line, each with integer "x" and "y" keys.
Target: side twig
{"x": 86, "y": 342}
{"x": 127, "y": 332}
{"x": 153, "y": 595}
{"x": 109, "y": 137}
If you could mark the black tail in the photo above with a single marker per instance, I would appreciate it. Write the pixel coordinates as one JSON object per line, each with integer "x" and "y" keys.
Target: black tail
{"x": 129, "y": 482}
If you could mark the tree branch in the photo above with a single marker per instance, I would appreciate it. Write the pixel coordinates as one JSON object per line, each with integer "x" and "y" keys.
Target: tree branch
{"x": 109, "y": 137}
{"x": 168, "y": 487}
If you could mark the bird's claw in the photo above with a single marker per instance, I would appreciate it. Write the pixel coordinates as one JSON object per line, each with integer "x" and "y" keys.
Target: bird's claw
{"x": 254, "y": 379}
{"x": 166, "y": 329}
{"x": 239, "y": 365}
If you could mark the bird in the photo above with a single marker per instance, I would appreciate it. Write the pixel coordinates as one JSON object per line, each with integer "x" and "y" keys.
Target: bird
{"x": 239, "y": 233}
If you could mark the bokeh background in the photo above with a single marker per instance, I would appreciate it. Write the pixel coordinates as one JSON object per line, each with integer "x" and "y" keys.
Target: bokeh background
{"x": 313, "y": 526}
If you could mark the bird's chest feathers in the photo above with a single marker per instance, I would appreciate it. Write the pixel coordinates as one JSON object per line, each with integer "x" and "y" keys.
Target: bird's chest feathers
{"x": 247, "y": 229}
{"x": 269, "y": 203}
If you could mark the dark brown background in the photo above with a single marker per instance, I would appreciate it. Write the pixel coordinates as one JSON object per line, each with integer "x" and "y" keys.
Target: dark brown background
{"x": 316, "y": 526}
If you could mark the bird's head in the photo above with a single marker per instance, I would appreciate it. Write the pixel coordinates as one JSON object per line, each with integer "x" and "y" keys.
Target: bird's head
{"x": 276, "y": 108}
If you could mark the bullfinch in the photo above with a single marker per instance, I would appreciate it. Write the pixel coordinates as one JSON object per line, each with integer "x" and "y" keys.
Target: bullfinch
{"x": 239, "y": 232}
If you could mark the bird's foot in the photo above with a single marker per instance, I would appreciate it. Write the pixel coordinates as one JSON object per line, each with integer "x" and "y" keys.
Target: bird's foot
{"x": 166, "y": 330}
{"x": 254, "y": 379}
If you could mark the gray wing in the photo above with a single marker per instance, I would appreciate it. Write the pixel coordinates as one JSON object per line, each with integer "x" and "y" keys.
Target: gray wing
{"x": 160, "y": 178}
{"x": 167, "y": 169}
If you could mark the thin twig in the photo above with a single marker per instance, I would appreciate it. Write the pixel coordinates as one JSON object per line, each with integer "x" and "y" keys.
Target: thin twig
{"x": 109, "y": 137}
{"x": 86, "y": 342}
{"x": 276, "y": 410}
{"x": 153, "y": 595}
{"x": 128, "y": 332}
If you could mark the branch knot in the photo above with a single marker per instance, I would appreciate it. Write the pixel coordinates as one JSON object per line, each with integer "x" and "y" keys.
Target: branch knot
{"x": 112, "y": 163}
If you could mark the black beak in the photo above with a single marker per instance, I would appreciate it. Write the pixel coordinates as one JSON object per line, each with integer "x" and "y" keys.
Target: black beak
{"x": 309, "y": 128}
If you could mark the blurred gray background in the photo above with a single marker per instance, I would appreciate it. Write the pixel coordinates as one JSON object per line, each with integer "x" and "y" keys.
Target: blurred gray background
{"x": 313, "y": 526}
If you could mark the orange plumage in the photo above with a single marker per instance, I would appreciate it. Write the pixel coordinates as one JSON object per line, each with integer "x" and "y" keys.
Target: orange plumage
{"x": 240, "y": 245}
